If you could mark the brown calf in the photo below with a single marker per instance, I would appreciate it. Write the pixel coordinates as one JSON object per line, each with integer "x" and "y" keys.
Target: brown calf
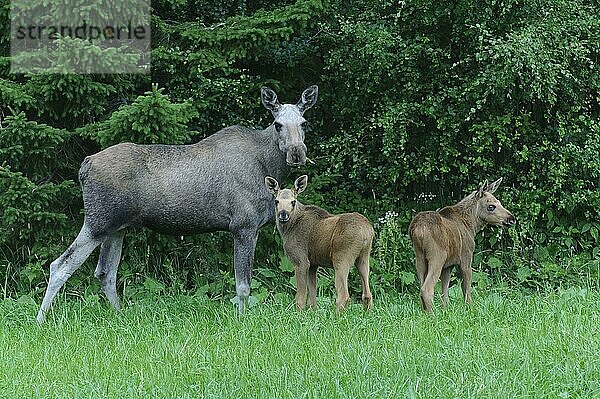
{"x": 446, "y": 238}
{"x": 313, "y": 237}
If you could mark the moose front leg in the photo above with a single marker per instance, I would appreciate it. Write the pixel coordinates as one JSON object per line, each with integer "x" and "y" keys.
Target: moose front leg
{"x": 467, "y": 273}
{"x": 244, "y": 244}
{"x": 301, "y": 267}
{"x": 446, "y": 274}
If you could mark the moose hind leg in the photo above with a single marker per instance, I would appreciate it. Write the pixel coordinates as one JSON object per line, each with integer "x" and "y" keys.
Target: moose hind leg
{"x": 362, "y": 264}
{"x": 421, "y": 266}
{"x": 244, "y": 244}
{"x": 65, "y": 265}
{"x": 428, "y": 287}
{"x": 108, "y": 264}
{"x": 421, "y": 269}
{"x": 312, "y": 286}
{"x": 342, "y": 268}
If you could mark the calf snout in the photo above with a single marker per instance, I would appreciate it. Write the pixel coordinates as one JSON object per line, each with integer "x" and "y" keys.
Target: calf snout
{"x": 283, "y": 216}
{"x": 296, "y": 155}
{"x": 510, "y": 221}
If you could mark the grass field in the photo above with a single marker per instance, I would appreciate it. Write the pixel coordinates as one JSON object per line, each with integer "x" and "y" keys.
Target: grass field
{"x": 505, "y": 345}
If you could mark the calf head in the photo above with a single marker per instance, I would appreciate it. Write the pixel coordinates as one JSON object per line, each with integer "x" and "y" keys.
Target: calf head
{"x": 489, "y": 210}
{"x": 285, "y": 199}
{"x": 290, "y": 123}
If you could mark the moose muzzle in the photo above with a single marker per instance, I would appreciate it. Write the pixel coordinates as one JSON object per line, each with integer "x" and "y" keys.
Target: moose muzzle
{"x": 510, "y": 221}
{"x": 296, "y": 155}
{"x": 283, "y": 216}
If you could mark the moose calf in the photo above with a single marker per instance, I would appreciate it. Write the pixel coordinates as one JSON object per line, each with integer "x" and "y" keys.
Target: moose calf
{"x": 446, "y": 238}
{"x": 313, "y": 237}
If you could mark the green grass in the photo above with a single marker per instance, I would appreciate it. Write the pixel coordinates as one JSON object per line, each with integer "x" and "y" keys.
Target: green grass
{"x": 505, "y": 345}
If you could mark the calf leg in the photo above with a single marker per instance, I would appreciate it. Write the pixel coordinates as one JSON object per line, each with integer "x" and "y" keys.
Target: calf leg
{"x": 427, "y": 289}
{"x": 65, "y": 265}
{"x": 467, "y": 275}
{"x": 446, "y": 273}
{"x": 362, "y": 264}
{"x": 108, "y": 263}
{"x": 342, "y": 268}
{"x": 421, "y": 265}
{"x": 312, "y": 286}
{"x": 244, "y": 244}
{"x": 301, "y": 267}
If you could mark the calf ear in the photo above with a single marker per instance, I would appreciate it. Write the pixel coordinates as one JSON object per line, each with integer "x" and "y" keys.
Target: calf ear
{"x": 272, "y": 185}
{"x": 300, "y": 184}
{"x": 494, "y": 186}
{"x": 482, "y": 189}
{"x": 308, "y": 98}
{"x": 269, "y": 99}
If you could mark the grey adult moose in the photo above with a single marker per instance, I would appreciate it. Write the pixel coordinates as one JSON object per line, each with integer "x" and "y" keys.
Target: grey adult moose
{"x": 213, "y": 185}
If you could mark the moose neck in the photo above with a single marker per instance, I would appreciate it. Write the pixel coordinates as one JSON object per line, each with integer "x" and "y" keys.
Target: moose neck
{"x": 274, "y": 158}
{"x": 467, "y": 209}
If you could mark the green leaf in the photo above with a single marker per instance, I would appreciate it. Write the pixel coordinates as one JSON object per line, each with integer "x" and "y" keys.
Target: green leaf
{"x": 407, "y": 278}
{"x": 153, "y": 286}
{"x": 494, "y": 262}
{"x": 285, "y": 264}
{"x": 523, "y": 273}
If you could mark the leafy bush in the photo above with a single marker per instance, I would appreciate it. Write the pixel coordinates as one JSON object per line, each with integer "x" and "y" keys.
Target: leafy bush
{"x": 393, "y": 264}
{"x": 150, "y": 119}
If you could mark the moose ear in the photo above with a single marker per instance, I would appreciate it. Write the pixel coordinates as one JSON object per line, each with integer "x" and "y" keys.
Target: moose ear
{"x": 269, "y": 99}
{"x": 482, "y": 189}
{"x": 494, "y": 186}
{"x": 272, "y": 185}
{"x": 300, "y": 184}
{"x": 308, "y": 98}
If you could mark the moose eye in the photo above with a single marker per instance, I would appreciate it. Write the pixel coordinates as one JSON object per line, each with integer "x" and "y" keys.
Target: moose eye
{"x": 278, "y": 126}
{"x": 293, "y": 204}
{"x": 491, "y": 208}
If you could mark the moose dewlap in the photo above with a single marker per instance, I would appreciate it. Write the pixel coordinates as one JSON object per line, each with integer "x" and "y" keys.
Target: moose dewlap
{"x": 313, "y": 237}
{"x": 446, "y": 238}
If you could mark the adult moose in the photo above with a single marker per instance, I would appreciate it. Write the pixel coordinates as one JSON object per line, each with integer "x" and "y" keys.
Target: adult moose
{"x": 213, "y": 185}
{"x": 446, "y": 238}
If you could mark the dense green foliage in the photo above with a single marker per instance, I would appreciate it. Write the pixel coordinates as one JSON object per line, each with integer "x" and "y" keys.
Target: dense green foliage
{"x": 506, "y": 345}
{"x": 420, "y": 101}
